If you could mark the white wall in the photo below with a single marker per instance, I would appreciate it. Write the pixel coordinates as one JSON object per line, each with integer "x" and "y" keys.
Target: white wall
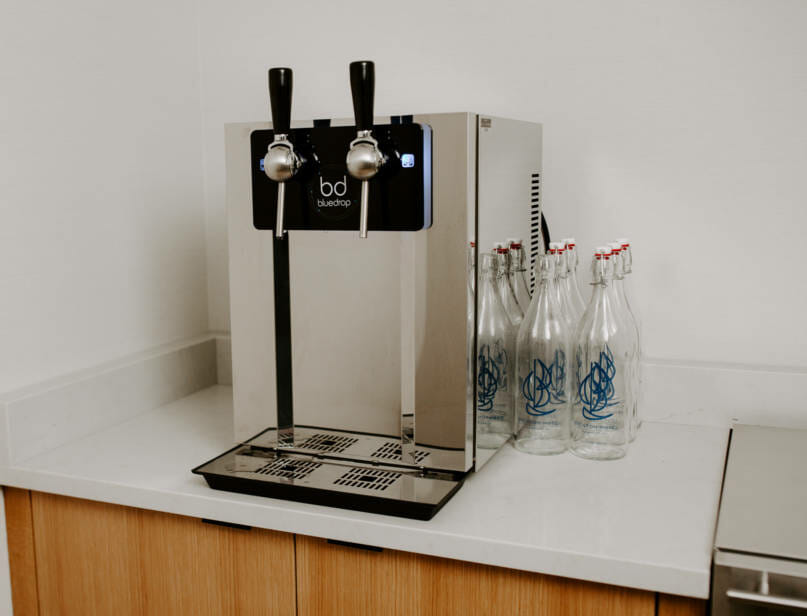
{"x": 102, "y": 241}
{"x": 679, "y": 124}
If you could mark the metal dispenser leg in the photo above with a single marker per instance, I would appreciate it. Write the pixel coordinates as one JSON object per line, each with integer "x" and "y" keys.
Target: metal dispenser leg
{"x": 285, "y": 402}
{"x": 281, "y": 164}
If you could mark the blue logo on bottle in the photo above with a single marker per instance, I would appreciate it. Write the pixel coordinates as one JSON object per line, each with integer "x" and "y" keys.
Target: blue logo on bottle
{"x": 487, "y": 380}
{"x": 596, "y": 390}
{"x": 544, "y": 385}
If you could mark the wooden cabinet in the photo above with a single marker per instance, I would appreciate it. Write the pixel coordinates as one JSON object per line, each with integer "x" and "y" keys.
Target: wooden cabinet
{"x": 333, "y": 580}
{"x": 668, "y": 605}
{"x": 70, "y": 556}
{"x": 94, "y": 558}
{"x": 21, "y": 558}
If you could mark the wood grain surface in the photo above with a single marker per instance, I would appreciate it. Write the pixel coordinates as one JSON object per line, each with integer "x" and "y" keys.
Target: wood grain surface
{"x": 670, "y": 605}
{"x": 98, "y": 559}
{"x": 21, "y": 557}
{"x": 345, "y": 581}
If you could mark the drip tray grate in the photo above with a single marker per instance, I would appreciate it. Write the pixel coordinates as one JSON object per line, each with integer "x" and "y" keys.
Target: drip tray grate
{"x": 329, "y": 443}
{"x": 289, "y": 469}
{"x": 368, "y": 478}
{"x": 391, "y": 450}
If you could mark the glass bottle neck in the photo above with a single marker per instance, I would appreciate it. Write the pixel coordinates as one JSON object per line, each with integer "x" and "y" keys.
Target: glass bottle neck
{"x": 489, "y": 267}
{"x": 627, "y": 257}
{"x": 618, "y": 263}
{"x": 546, "y": 269}
{"x": 560, "y": 265}
{"x": 571, "y": 259}
{"x": 502, "y": 265}
{"x": 571, "y": 263}
{"x": 602, "y": 273}
{"x": 545, "y": 287}
{"x": 517, "y": 260}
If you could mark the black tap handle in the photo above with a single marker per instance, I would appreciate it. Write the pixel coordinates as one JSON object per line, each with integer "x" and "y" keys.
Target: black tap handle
{"x": 280, "y": 99}
{"x": 362, "y": 85}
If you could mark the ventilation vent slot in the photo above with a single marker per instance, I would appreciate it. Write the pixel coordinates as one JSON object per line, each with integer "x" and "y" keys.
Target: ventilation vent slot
{"x": 536, "y": 234}
{"x": 367, "y": 478}
{"x": 289, "y": 469}
{"x": 329, "y": 443}
{"x": 391, "y": 450}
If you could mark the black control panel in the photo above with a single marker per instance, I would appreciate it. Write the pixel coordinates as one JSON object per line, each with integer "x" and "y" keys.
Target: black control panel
{"x": 323, "y": 196}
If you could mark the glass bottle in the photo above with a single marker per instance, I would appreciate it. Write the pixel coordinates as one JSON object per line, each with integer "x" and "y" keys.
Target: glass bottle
{"x": 542, "y": 400}
{"x": 495, "y": 339}
{"x": 506, "y": 293}
{"x": 576, "y": 303}
{"x": 600, "y": 416}
{"x": 622, "y": 287}
{"x": 631, "y": 331}
{"x": 518, "y": 273}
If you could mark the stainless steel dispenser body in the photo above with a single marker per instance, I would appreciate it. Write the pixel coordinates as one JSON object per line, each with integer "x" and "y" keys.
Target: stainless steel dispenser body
{"x": 382, "y": 329}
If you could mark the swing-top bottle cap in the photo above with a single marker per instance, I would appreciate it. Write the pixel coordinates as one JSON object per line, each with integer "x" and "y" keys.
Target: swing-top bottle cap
{"x": 624, "y": 242}
{"x": 570, "y": 242}
{"x": 514, "y": 242}
{"x": 602, "y": 251}
{"x": 615, "y": 246}
{"x": 553, "y": 247}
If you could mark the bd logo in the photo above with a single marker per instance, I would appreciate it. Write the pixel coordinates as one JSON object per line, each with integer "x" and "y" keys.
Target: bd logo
{"x": 333, "y": 189}
{"x": 330, "y": 197}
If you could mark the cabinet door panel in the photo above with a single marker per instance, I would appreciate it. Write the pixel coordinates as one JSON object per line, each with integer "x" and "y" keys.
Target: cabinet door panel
{"x": 670, "y": 605}
{"x": 344, "y": 581}
{"x": 21, "y": 559}
{"x": 95, "y": 558}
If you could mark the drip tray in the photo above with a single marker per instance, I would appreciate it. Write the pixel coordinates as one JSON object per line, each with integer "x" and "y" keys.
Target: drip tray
{"x": 358, "y": 446}
{"x": 319, "y": 478}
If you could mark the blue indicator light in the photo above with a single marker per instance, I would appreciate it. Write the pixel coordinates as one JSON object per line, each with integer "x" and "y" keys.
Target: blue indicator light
{"x": 262, "y": 169}
{"x": 407, "y": 160}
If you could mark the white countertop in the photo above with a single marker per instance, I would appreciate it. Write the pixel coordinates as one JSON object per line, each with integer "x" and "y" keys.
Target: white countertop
{"x": 646, "y": 521}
